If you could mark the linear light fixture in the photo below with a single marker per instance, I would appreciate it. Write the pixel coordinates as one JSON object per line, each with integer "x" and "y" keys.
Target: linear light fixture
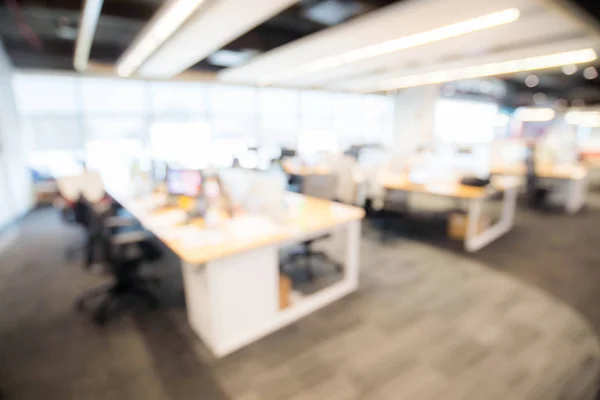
{"x": 162, "y": 25}
{"x": 535, "y": 114}
{"x": 492, "y": 69}
{"x": 85, "y": 34}
{"x": 390, "y": 46}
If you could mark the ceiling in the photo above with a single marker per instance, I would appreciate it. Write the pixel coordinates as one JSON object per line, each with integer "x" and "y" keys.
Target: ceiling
{"x": 270, "y": 41}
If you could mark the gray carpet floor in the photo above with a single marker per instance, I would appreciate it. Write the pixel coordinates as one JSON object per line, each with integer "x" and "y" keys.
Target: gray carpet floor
{"x": 553, "y": 251}
{"x": 426, "y": 323}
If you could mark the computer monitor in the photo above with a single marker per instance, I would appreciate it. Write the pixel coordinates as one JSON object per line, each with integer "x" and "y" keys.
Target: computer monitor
{"x": 286, "y": 152}
{"x": 184, "y": 182}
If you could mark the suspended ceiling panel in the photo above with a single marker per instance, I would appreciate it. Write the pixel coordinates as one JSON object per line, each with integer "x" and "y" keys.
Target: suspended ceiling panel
{"x": 377, "y": 82}
{"x": 537, "y": 26}
{"x": 532, "y": 29}
{"x": 216, "y": 23}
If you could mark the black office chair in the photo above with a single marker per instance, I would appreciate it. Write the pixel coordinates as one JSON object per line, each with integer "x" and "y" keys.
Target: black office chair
{"x": 321, "y": 186}
{"x": 122, "y": 254}
{"x": 304, "y": 259}
{"x": 77, "y": 214}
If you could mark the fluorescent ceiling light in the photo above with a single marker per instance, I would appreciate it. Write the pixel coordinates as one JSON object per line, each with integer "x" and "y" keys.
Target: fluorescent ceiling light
{"x": 492, "y": 69}
{"x": 166, "y": 21}
{"x": 85, "y": 36}
{"x": 390, "y": 46}
{"x": 535, "y": 114}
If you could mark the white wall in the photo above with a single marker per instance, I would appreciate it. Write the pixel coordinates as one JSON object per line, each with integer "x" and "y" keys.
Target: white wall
{"x": 15, "y": 180}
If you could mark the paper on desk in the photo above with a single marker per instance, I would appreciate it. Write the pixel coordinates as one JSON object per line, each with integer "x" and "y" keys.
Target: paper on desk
{"x": 165, "y": 219}
{"x": 340, "y": 210}
{"x": 251, "y": 225}
{"x": 190, "y": 235}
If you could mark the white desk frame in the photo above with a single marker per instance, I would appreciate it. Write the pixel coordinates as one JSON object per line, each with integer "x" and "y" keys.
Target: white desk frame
{"x": 474, "y": 240}
{"x": 234, "y": 301}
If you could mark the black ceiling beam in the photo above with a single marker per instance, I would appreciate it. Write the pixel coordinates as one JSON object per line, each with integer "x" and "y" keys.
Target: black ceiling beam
{"x": 140, "y": 10}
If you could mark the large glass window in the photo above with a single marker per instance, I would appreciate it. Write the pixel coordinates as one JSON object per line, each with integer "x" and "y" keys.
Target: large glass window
{"x": 102, "y": 95}
{"x": 185, "y": 144}
{"x": 190, "y": 123}
{"x": 46, "y": 94}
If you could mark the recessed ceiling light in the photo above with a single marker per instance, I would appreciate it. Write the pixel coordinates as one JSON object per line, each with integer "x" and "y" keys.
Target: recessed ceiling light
{"x": 532, "y": 81}
{"x": 394, "y": 45}
{"x": 569, "y": 69}
{"x": 590, "y": 73}
{"x": 540, "y": 98}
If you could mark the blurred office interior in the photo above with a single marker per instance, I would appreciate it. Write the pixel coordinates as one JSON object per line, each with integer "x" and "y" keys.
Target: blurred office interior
{"x": 299, "y": 199}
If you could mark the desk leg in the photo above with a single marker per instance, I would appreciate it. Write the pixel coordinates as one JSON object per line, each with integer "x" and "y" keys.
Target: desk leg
{"x": 576, "y": 191}
{"x": 230, "y": 301}
{"x": 477, "y": 240}
{"x": 352, "y": 253}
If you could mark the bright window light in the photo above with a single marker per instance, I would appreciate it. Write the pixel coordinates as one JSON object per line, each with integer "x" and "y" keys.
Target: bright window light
{"x": 535, "y": 114}
{"x": 390, "y": 46}
{"x": 464, "y": 122}
{"x": 583, "y": 118}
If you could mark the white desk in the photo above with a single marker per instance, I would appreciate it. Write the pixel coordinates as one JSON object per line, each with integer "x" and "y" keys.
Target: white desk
{"x": 571, "y": 181}
{"x": 474, "y": 197}
{"x": 231, "y": 272}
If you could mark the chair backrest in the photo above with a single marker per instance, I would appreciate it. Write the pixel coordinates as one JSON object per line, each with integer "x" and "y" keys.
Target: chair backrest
{"x": 321, "y": 186}
{"x": 82, "y": 212}
{"x": 89, "y": 184}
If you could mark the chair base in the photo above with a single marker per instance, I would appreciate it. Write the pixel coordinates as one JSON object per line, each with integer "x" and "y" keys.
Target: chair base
{"x": 116, "y": 296}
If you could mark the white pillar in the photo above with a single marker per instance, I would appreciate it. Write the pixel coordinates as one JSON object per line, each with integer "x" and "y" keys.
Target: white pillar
{"x": 15, "y": 181}
{"x": 414, "y": 111}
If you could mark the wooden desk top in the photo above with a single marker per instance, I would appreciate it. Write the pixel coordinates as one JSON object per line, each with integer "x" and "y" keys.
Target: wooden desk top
{"x": 574, "y": 172}
{"x": 304, "y": 170}
{"x": 448, "y": 189}
{"x": 196, "y": 243}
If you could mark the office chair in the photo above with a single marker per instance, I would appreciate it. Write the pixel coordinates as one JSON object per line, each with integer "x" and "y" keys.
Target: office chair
{"x": 75, "y": 214}
{"x": 122, "y": 254}
{"x": 324, "y": 187}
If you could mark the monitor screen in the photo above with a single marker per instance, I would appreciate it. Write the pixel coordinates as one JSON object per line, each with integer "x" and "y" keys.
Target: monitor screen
{"x": 184, "y": 182}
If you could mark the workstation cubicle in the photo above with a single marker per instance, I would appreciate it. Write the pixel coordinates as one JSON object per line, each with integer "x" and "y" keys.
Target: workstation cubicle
{"x": 227, "y": 227}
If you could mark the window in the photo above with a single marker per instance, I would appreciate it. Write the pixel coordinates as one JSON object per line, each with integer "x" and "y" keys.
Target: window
{"x": 185, "y": 144}
{"x": 98, "y": 127}
{"x": 123, "y": 96}
{"x": 178, "y": 98}
{"x": 46, "y": 94}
